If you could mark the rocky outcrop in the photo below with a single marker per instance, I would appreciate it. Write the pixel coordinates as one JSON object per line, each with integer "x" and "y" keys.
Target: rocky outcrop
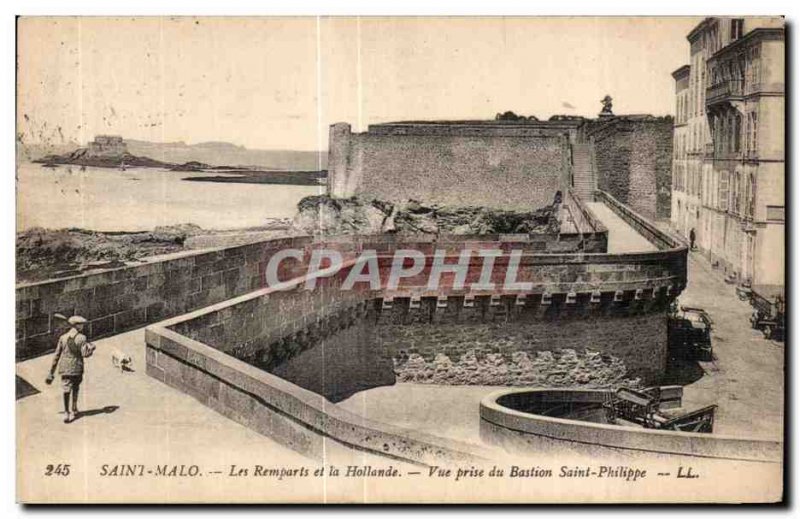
{"x": 192, "y": 165}
{"x": 83, "y": 157}
{"x": 561, "y": 368}
{"x": 44, "y": 253}
{"x": 327, "y": 215}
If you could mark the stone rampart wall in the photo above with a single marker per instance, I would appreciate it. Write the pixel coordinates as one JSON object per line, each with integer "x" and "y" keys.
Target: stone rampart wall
{"x": 451, "y": 168}
{"x": 605, "y": 312}
{"x": 534, "y": 433}
{"x": 118, "y": 300}
{"x": 633, "y": 157}
{"x": 295, "y": 417}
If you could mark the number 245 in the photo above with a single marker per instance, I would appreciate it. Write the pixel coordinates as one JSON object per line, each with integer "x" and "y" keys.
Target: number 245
{"x": 62, "y": 469}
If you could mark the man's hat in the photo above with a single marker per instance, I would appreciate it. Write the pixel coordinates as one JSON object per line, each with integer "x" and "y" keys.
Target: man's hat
{"x": 77, "y": 319}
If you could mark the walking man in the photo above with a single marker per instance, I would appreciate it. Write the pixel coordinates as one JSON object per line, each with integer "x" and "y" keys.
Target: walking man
{"x": 691, "y": 239}
{"x": 71, "y": 349}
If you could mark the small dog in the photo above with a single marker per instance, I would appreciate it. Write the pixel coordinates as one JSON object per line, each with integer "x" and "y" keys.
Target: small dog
{"x": 121, "y": 360}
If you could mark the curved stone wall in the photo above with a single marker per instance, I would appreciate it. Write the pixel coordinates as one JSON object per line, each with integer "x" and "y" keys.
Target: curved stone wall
{"x": 223, "y": 354}
{"x": 520, "y": 431}
{"x": 295, "y": 417}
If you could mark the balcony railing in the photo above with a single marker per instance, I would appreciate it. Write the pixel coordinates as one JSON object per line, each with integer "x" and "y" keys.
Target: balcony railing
{"x": 723, "y": 91}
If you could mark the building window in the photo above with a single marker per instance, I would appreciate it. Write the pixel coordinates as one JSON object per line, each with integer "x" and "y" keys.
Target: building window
{"x": 700, "y": 91}
{"x": 775, "y": 213}
{"x": 756, "y": 68}
{"x": 723, "y": 191}
{"x": 697, "y": 183}
{"x": 746, "y": 135}
{"x": 737, "y": 26}
{"x": 737, "y": 132}
{"x": 723, "y": 136}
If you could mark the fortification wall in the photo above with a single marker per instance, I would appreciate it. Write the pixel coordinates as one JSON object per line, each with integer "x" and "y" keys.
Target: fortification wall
{"x": 228, "y": 355}
{"x": 534, "y": 433}
{"x": 634, "y": 336}
{"x": 595, "y": 305}
{"x": 295, "y": 417}
{"x": 118, "y": 300}
{"x": 451, "y": 165}
{"x": 277, "y": 380}
{"x": 357, "y": 341}
{"x": 482, "y": 163}
{"x": 122, "y": 299}
{"x": 634, "y": 161}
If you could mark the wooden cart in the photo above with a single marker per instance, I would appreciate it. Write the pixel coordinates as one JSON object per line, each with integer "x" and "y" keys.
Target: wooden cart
{"x": 768, "y": 311}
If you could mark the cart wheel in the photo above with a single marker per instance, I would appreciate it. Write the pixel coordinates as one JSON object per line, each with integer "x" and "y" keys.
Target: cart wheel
{"x": 767, "y": 331}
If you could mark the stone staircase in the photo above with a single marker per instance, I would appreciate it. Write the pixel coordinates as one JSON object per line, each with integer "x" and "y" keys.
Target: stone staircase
{"x": 583, "y": 176}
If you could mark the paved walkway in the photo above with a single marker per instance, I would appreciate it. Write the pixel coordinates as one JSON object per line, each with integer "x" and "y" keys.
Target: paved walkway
{"x": 621, "y": 236}
{"x": 746, "y": 377}
{"x": 130, "y": 418}
{"x": 451, "y": 411}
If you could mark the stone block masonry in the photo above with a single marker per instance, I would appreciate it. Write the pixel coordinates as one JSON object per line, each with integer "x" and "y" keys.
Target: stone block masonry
{"x": 633, "y": 157}
{"x": 609, "y": 305}
{"x": 518, "y": 419}
{"x": 274, "y": 358}
{"x": 517, "y": 165}
{"x": 122, "y": 299}
{"x": 509, "y": 167}
{"x": 343, "y": 346}
{"x": 529, "y": 349}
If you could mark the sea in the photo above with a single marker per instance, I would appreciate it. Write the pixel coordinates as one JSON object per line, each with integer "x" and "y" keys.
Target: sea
{"x": 137, "y": 199}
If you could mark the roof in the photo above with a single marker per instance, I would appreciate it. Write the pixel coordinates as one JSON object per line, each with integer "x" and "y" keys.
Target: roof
{"x": 699, "y": 28}
{"x": 681, "y": 71}
{"x": 484, "y": 122}
{"x": 526, "y": 123}
{"x": 774, "y": 33}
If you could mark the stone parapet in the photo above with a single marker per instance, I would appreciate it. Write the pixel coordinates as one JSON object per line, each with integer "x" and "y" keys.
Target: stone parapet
{"x": 272, "y": 357}
{"x": 122, "y": 299}
{"x": 502, "y": 424}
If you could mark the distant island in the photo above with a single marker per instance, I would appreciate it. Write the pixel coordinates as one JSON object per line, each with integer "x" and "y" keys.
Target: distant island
{"x": 112, "y": 151}
{"x": 105, "y": 151}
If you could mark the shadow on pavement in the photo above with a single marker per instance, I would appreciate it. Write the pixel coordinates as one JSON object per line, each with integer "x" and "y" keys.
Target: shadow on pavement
{"x": 25, "y": 388}
{"x": 92, "y": 412}
{"x": 681, "y": 371}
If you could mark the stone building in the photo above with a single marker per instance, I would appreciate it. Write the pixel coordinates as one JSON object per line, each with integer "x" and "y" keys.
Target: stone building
{"x": 685, "y": 186}
{"x": 728, "y": 172}
{"x": 107, "y": 146}
{"x": 510, "y": 163}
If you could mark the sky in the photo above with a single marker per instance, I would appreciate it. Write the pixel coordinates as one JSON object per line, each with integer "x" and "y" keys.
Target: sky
{"x": 278, "y": 83}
